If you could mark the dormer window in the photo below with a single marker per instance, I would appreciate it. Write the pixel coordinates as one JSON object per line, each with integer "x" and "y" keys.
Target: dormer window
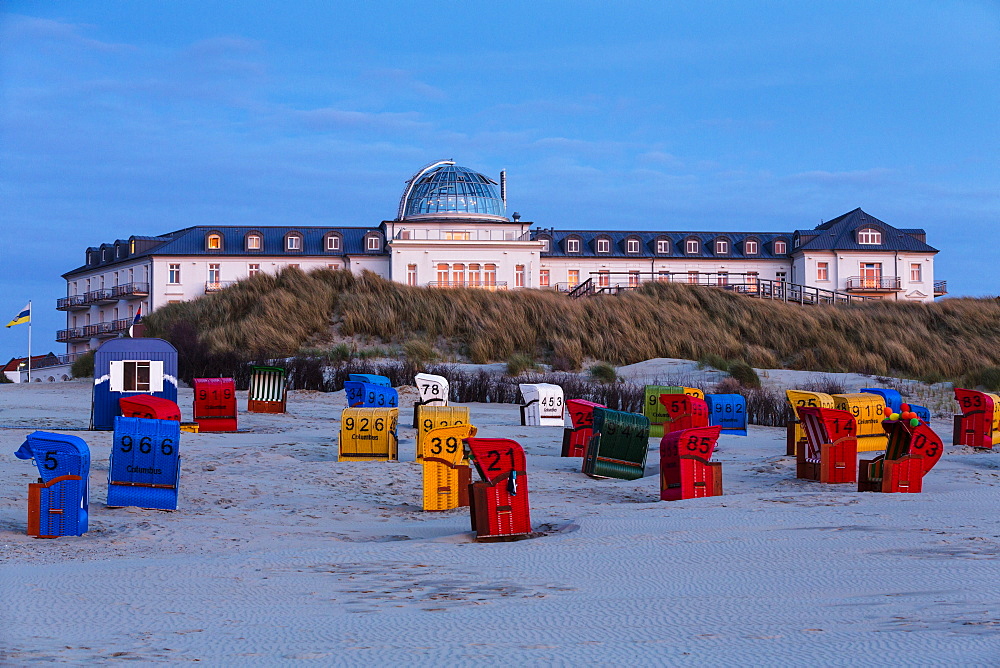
{"x": 631, "y": 245}
{"x": 869, "y": 236}
{"x": 780, "y": 247}
{"x": 721, "y": 247}
{"x": 255, "y": 241}
{"x": 293, "y": 242}
{"x": 797, "y": 242}
{"x": 750, "y": 247}
{"x": 572, "y": 245}
{"x": 692, "y": 247}
{"x": 373, "y": 242}
{"x": 546, "y": 244}
{"x": 603, "y": 245}
{"x": 131, "y": 247}
{"x": 213, "y": 241}
{"x": 663, "y": 246}
{"x": 333, "y": 242}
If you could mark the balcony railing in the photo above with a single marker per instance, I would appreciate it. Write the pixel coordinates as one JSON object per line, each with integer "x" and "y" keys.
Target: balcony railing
{"x": 492, "y": 286}
{"x": 98, "y": 296}
{"x": 940, "y": 288}
{"x": 216, "y": 286}
{"x": 880, "y": 284}
{"x": 66, "y": 335}
{"x": 462, "y": 235}
{"x": 71, "y": 303}
{"x": 130, "y": 290}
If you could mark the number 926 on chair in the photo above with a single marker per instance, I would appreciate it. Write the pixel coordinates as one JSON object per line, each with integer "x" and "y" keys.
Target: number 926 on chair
{"x": 368, "y": 434}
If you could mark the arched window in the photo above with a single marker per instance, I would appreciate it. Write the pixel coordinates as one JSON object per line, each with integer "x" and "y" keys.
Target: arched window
{"x": 869, "y": 236}
{"x": 293, "y": 242}
{"x": 780, "y": 247}
{"x": 213, "y": 241}
{"x": 751, "y": 247}
{"x": 572, "y": 244}
{"x": 373, "y": 242}
{"x": 254, "y": 241}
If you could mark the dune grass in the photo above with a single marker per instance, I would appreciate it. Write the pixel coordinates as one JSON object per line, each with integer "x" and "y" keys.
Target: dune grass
{"x": 269, "y": 316}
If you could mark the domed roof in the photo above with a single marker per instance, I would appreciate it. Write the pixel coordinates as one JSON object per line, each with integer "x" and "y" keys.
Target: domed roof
{"x": 444, "y": 189}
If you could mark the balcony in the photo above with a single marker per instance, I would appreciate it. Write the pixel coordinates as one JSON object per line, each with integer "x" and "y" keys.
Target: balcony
{"x": 102, "y": 296}
{"x": 491, "y": 286}
{"x": 880, "y": 284}
{"x": 940, "y": 288}
{"x": 67, "y": 335}
{"x": 216, "y": 286}
{"x": 74, "y": 303}
{"x": 105, "y": 329}
{"x": 130, "y": 291}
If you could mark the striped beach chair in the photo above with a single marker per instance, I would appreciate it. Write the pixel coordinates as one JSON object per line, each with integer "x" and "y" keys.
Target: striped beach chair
{"x": 268, "y": 390}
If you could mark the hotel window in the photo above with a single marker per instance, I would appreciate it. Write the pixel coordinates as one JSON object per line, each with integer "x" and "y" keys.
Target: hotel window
{"x": 572, "y": 245}
{"x": 253, "y": 270}
{"x": 692, "y": 246}
{"x": 604, "y": 278}
{"x": 457, "y": 275}
{"x": 663, "y": 276}
{"x": 442, "y": 272}
{"x": 780, "y": 248}
{"x": 519, "y": 276}
{"x": 293, "y": 242}
{"x": 916, "y": 273}
{"x": 450, "y": 235}
{"x": 752, "y": 279}
{"x": 721, "y": 247}
{"x": 333, "y": 242}
{"x": 663, "y": 246}
{"x": 632, "y": 246}
{"x": 293, "y": 266}
{"x": 214, "y": 271}
{"x": 373, "y": 243}
{"x": 475, "y": 277}
{"x": 869, "y": 236}
{"x": 411, "y": 274}
{"x": 254, "y": 242}
{"x": 173, "y": 277}
{"x": 490, "y": 275}
{"x": 333, "y": 266}
{"x": 750, "y": 247}
{"x": 723, "y": 278}
{"x": 633, "y": 278}
{"x": 214, "y": 242}
{"x": 822, "y": 271}
{"x": 573, "y": 277}
{"x": 545, "y": 245}
{"x": 603, "y": 246}
{"x": 543, "y": 278}
{"x": 692, "y": 277}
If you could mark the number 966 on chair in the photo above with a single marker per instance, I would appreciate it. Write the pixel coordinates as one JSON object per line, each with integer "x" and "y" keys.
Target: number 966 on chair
{"x": 368, "y": 435}
{"x": 145, "y": 463}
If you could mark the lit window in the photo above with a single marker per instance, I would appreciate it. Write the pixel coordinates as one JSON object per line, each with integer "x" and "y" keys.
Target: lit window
{"x": 662, "y": 246}
{"x": 411, "y": 274}
{"x": 633, "y": 278}
{"x": 604, "y": 278}
{"x": 519, "y": 276}
{"x": 490, "y": 275}
{"x": 442, "y": 273}
{"x": 603, "y": 246}
{"x": 373, "y": 243}
{"x": 333, "y": 242}
{"x": 457, "y": 236}
{"x": 545, "y": 245}
{"x": 916, "y": 272}
{"x": 214, "y": 242}
{"x": 663, "y": 276}
{"x": 254, "y": 242}
{"x": 474, "y": 275}
{"x": 572, "y": 245}
{"x": 253, "y": 269}
{"x": 822, "y": 271}
{"x": 692, "y": 246}
{"x": 293, "y": 242}
{"x": 632, "y": 246}
{"x": 458, "y": 275}
{"x": 573, "y": 277}
{"x": 750, "y": 247}
{"x": 752, "y": 279}
{"x": 721, "y": 247}
{"x": 780, "y": 248}
{"x": 692, "y": 277}
{"x": 214, "y": 272}
{"x": 723, "y": 278}
{"x": 869, "y": 236}
{"x": 174, "y": 277}
{"x": 543, "y": 278}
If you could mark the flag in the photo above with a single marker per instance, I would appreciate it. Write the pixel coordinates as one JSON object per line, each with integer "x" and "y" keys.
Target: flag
{"x": 22, "y": 317}
{"x": 138, "y": 315}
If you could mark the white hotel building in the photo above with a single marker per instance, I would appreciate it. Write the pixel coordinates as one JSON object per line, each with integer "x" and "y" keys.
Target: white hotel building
{"x": 451, "y": 229}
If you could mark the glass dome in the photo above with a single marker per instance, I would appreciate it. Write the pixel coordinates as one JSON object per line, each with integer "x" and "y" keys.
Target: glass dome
{"x": 446, "y": 189}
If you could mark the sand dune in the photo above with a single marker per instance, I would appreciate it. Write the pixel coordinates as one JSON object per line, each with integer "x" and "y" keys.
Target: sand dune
{"x": 279, "y": 552}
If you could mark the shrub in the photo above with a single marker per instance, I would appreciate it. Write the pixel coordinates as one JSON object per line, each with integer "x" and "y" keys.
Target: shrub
{"x": 744, "y": 374}
{"x": 714, "y": 361}
{"x": 987, "y": 378}
{"x": 518, "y": 364}
{"x": 603, "y": 372}
{"x": 83, "y": 367}
{"x": 418, "y": 352}
{"x": 4, "y": 379}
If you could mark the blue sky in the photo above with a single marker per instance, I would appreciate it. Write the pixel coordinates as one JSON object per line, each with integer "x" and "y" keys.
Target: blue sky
{"x": 121, "y": 118}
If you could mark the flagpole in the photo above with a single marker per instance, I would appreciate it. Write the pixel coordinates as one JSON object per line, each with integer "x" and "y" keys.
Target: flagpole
{"x": 29, "y": 341}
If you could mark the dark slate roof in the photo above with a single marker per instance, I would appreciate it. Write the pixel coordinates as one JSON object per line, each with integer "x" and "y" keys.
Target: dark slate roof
{"x": 192, "y": 241}
{"x": 677, "y": 239}
{"x": 840, "y": 234}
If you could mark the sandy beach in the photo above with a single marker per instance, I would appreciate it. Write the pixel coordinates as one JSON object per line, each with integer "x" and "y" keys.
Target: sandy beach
{"x": 278, "y": 552}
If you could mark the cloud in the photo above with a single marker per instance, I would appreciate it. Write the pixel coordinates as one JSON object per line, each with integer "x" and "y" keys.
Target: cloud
{"x": 18, "y": 28}
{"x": 865, "y": 177}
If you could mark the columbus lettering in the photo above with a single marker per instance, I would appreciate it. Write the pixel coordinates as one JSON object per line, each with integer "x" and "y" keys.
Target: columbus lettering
{"x": 139, "y": 469}
{"x": 364, "y": 437}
